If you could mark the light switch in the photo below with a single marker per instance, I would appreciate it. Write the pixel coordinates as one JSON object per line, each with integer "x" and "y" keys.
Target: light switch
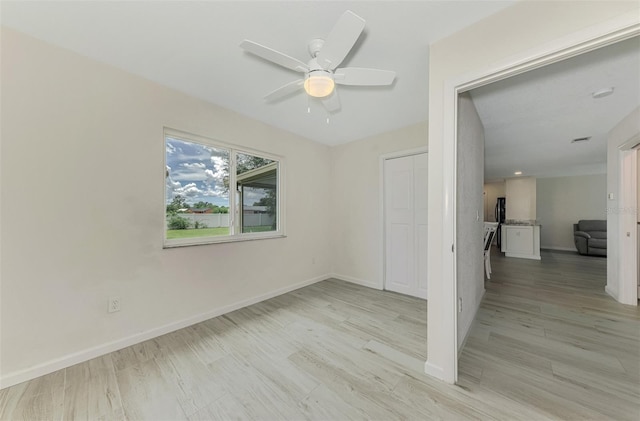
{"x": 610, "y": 196}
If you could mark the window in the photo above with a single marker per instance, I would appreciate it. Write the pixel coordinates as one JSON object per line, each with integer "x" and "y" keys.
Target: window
{"x": 217, "y": 192}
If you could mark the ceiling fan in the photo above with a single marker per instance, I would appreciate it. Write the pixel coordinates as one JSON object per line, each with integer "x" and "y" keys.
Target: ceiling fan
{"x": 321, "y": 73}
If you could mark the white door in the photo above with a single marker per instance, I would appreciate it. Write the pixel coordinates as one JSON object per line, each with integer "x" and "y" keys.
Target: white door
{"x": 628, "y": 229}
{"x": 405, "y": 208}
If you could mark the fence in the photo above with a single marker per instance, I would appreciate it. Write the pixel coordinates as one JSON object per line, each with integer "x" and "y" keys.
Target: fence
{"x": 214, "y": 220}
{"x": 256, "y": 219}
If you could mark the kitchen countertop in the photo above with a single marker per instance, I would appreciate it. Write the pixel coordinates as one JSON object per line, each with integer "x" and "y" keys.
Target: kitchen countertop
{"x": 521, "y": 222}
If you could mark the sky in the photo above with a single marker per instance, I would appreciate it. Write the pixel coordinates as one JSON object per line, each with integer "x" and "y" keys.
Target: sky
{"x": 196, "y": 172}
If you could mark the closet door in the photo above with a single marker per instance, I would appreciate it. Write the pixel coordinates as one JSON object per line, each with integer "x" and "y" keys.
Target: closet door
{"x": 405, "y": 199}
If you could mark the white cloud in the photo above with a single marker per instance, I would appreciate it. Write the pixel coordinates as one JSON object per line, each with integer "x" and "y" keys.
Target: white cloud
{"x": 190, "y": 190}
{"x": 214, "y": 177}
{"x": 189, "y": 175}
{"x": 194, "y": 165}
{"x": 217, "y": 175}
{"x": 216, "y": 191}
{"x": 173, "y": 184}
{"x": 218, "y": 161}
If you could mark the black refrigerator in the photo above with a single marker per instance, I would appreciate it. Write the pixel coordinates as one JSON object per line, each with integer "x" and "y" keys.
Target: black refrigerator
{"x": 501, "y": 212}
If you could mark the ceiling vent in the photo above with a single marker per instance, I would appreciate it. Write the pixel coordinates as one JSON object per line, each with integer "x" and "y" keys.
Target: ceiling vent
{"x": 581, "y": 139}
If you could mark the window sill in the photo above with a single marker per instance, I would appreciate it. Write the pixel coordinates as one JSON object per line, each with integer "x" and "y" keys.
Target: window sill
{"x": 186, "y": 242}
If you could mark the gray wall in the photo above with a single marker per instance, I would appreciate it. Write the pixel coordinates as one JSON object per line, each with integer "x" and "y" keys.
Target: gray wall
{"x": 562, "y": 201}
{"x": 470, "y": 224}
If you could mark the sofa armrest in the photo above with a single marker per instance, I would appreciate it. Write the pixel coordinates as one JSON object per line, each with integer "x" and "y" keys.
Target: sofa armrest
{"x": 581, "y": 234}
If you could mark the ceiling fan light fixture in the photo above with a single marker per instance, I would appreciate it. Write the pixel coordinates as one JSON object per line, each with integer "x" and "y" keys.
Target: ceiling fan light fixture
{"x": 319, "y": 85}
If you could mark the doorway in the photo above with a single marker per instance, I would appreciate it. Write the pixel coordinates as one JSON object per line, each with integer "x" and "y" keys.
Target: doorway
{"x": 443, "y": 346}
{"x": 405, "y": 224}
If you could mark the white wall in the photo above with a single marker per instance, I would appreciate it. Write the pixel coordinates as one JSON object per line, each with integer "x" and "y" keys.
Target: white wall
{"x": 501, "y": 39}
{"x": 355, "y": 182}
{"x": 563, "y": 201}
{"x": 621, "y": 133}
{"x": 521, "y": 198}
{"x": 79, "y": 135}
{"x": 492, "y": 190}
{"x": 470, "y": 225}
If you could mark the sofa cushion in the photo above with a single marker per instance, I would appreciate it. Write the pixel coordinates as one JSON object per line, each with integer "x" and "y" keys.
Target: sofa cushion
{"x": 598, "y": 234}
{"x": 599, "y": 243}
{"x": 588, "y": 225}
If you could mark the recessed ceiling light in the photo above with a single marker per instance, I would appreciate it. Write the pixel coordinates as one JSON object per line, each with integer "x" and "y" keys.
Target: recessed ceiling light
{"x": 602, "y": 93}
{"x": 518, "y": 173}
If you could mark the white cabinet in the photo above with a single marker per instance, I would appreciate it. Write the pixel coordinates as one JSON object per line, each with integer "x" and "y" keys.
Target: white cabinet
{"x": 521, "y": 241}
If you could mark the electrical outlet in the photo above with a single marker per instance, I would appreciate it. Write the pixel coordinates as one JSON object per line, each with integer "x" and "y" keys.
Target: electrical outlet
{"x": 114, "y": 304}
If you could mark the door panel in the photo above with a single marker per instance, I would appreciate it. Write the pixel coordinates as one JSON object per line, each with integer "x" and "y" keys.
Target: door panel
{"x": 399, "y": 221}
{"x": 405, "y": 212}
{"x": 400, "y": 246}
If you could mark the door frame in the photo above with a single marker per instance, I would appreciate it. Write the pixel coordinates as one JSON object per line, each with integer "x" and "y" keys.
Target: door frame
{"x": 627, "y": 222}
{"x": 383, "y": 218}
{"x": 609, "y": 32}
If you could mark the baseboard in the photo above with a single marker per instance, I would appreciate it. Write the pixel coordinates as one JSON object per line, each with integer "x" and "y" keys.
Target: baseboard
{"x": 353, "y": 280}
{"x": 611, "y": 292}
{"x": 38, "y": 370}
{"x": 434, "y": 370}
{"x": 558, "y": 248}
{"x": 473, "y": 321}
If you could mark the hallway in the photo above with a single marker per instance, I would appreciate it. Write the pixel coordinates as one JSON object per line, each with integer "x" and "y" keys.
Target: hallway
{"x": 548, "y": 337}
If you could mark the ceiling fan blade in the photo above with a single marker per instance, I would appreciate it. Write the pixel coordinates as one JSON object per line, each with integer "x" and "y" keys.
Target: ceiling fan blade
{"x": 332, "y": 102}
{"x": 357, "y": 76}
{"x": 340, "y": 40}
{"x": 274, "y": 56}
{"x": 285, "y": 90}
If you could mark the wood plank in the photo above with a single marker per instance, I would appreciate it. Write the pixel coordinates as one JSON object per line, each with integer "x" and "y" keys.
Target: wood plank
{"x": 547, "y": 343}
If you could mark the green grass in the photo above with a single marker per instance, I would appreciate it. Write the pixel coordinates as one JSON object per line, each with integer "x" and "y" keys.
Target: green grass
{"x": 210, "y": 232}
{"x": 202, "y": 232}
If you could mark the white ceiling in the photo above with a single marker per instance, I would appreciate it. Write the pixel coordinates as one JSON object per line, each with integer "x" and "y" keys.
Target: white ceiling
{"x": 194, "y": 47}
{"x": 530, "y": 119}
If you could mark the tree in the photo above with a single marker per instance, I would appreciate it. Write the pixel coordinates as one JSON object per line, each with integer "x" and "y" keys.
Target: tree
{"x": 270, "y": 202}
{"x": 249, "y": 162}
{"x": 179, "y": 223}
{"x": 176, "y": 204}
{"x": 204, "y": 205}
{"x": 244, "y": 163}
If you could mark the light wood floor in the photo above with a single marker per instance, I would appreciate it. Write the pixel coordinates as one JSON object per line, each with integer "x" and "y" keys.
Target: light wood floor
{"x": 547, "y": 344}
{"x": 548, "y": 337}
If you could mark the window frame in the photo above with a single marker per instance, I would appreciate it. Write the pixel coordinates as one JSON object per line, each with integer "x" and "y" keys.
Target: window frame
{"x": 234, "y": 212}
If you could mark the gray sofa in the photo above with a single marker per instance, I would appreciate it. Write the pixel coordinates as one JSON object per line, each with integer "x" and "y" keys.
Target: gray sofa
{"x": 590, "y": 237}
